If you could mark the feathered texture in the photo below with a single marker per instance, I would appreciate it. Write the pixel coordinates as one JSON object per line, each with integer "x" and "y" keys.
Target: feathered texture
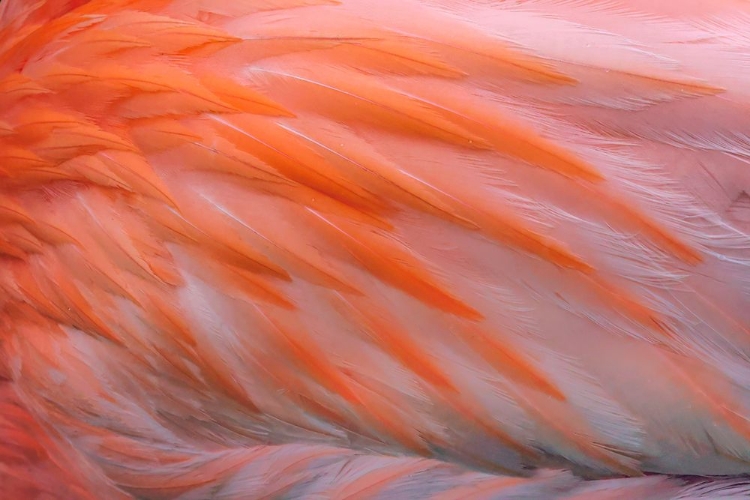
{"x": 357, "y": 249}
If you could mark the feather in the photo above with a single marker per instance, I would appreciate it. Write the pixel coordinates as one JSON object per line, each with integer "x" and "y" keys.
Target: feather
{"x": 325, "y": 249}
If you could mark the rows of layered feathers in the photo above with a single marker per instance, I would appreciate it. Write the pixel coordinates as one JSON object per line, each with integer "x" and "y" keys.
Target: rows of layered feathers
{"x": 357, "y": 249}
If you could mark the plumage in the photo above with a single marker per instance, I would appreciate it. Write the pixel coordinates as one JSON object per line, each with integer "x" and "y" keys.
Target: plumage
{"x": 345, "y": 249}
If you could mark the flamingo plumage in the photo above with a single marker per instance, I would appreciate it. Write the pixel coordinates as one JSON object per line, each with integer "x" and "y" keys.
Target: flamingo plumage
{"x": 340, "y": 249}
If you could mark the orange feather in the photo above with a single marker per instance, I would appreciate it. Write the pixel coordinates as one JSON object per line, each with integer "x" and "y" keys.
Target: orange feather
{"x": 353, "y": 249}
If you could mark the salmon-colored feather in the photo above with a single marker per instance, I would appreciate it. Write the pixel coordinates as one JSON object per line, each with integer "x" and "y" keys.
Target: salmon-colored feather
{"x": 344, "y": 249}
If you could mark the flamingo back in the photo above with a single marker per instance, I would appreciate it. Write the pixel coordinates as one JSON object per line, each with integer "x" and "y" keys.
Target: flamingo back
{"x": 356, "y": 249}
